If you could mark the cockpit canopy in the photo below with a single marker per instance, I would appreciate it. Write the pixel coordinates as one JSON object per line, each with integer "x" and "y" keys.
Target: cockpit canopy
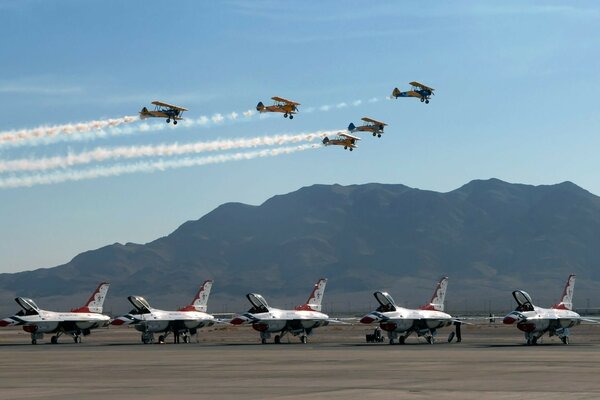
{"x": 523, "y": 300}
{"x": 28, "y": 305}
{"x": 386, "y": 302}
{"x": 259, "y": 304}
{"x": 140, "y": 304}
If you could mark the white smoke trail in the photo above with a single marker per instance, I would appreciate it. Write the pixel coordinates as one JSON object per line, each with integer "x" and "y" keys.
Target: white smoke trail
{"x": 149, "y": 166}
{"x": 101, "y": 154}
{"x": 68, "y": 129}
{"x": 104, "y": 129}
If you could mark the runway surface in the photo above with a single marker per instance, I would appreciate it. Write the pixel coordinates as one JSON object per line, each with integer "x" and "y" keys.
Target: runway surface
{"x": 491, "y": 363}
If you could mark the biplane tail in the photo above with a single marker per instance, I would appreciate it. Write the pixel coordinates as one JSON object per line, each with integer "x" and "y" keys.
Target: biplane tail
{"x": 260, "y": 106}
{"x": 396, "y": 93}
{"x": 325, "y": 140}
{"x": 144, "y": 113}
{"x": 351, "y": 127}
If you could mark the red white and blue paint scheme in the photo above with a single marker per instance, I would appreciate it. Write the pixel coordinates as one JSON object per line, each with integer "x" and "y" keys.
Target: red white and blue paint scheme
{"x": 184, "y": 322}
{"x": 79, "y": 322}
{"x": 299, "y": 322}
{"x": 400, "y": 323}
{"x": 534, "y": 321}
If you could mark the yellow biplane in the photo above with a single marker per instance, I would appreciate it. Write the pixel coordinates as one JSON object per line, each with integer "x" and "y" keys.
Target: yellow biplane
{"x": 371, "y": 125}
{"x": 163, "y": 110}
{"x": 287, "y": 107}
{"x": 418, "y": 90}
{"x": 342, "y": 139}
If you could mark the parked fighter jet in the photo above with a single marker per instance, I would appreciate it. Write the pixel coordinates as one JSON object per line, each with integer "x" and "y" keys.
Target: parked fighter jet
{"x": 401, "y": 322}
{"x": 535, "y": 321}
{"x": 78, "y": 322}
{"x": 184, "y": 322}
{"x": 300, "y": 321}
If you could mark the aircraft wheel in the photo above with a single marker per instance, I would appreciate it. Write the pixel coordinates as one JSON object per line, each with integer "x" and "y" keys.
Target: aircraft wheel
{"x": 379, "y": 135}
{"x": 345, "y": 147}
{"x": 54, "y": 340}
{"x": 77, "y": 339}
{"x": 186, "y": 339}
{"x": 168, "y": 120}
{"x": 285, "y": 115}
{"x": 402, "y": 339}
{"x": 174, "y": 122}
{"x": 161, "y": 339}
{"x": 391, "y": 341}
{"x": 565, "y": 339}
{"x": 351, "y": 149}
{"x": 145, "y": 340}
{"x": 33, "y": 341}
{"x": 451, "y": 336}
{"x": 291, "y": 117}
{"x": 277, "y": 339}
{"x": 263, "y": 341}
{"x": 534, "y": 340}
{"x": 303, "y": 339}
{"x": 426, "y": 101}
{"x": 422, "y": 100}
{"x": 374, "y": 134}
{"x": 430, "y": 340}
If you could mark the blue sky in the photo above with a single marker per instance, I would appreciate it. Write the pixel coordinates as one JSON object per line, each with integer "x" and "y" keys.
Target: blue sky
{"x": 517, "y": 85}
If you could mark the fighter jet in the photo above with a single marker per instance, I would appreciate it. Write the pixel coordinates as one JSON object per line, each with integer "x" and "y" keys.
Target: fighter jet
{"x": 299, "y": 322}
{"x": 402, "y": 322}
{"x": 184, "y": 322}
{"x": 534, "y": 321}
{"x": 78, "y": 322}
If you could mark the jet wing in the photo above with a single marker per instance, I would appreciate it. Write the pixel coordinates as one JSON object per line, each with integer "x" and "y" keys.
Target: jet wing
{"x": 161, "y": 104}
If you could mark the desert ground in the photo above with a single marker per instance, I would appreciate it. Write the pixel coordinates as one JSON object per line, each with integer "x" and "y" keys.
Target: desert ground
{"x": 227, "y": 362}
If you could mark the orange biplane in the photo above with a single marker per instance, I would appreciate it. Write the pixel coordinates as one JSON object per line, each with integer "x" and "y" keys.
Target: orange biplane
{"x": 372, "y": 125}
{"x": 163, "y": 110}
{"x": 418, "y": 90}
{"x": 287, "y": 107}
{"x": 342, "y": 139}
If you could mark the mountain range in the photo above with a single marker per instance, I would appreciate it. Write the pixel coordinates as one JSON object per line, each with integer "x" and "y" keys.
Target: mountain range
{"x": 489, "y": 236}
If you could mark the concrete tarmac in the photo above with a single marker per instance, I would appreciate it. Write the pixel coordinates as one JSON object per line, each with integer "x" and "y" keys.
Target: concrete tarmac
{"x": 228, "y": 362}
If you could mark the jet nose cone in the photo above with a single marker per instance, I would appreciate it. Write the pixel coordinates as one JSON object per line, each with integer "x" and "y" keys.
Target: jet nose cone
{"x": 509, "y": 319}
{"x": 117, "y": 322}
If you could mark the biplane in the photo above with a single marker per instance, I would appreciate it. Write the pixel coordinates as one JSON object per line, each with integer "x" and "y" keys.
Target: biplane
{"x": 371, "y": 125}
{"x": 287, "y": 107}
{"x": 163, "y": 110}
{"x": 342, "y": 139}
{"x": 418, "y": 90}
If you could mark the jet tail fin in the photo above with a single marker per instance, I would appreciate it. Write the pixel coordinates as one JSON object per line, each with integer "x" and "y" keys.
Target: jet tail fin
{"x": 566, "y": 300}
{"x": 200, "y": 301}
{"x": 96, "y": 300}
{"x": 316, "y": 297}
{"x": 439, "y": 295}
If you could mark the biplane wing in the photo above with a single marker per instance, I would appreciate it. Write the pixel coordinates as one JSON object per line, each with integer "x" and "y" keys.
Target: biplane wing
{"x": 167, "y": 105}
{"x": 420, "y": 85}
{"x": 348, "y": 136}
{"x": 373, "y": 121}
{"x": 282, "y": 100}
